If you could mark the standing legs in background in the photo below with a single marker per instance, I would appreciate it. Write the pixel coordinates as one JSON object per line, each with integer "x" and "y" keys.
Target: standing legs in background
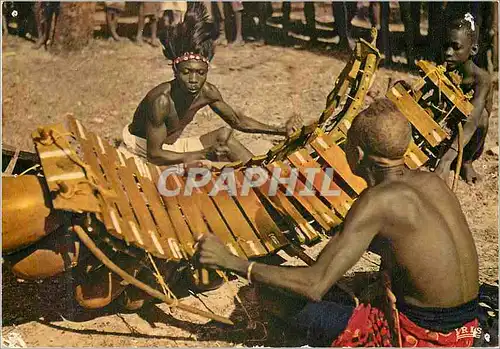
{"x": 45, "y": 13}
{"x": 221, "y": 40}
{"x": 141, "y": 21}
{"x": 384, "y": 30}
{"x": 435, "y": 32}
{"x": 343, "y": 13}
{"x": 263, "y": 9}
{"x": 410, "y": 15}
{"x": 113, "y": 11}
{"x": 153, "y": 11}
{"x": 237, "y": 7}
{"x": 374, "y": 11}
{"x": 220, "y": 24}
{"x": 494, "y": 33}
{"x": 310, "y": 14}
{"x": 172, "y": 12}
{"x": 286, "y": 9}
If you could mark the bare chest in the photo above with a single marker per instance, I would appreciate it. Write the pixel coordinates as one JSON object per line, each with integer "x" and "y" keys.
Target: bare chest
{"x": 180, "y": 116}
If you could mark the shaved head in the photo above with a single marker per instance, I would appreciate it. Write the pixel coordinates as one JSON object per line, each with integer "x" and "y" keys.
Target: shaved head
{"x": 381, "y": 130}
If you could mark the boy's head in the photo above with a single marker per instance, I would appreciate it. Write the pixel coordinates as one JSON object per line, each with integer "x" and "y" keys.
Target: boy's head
{"x": 191, "y": 75}
{"x": 190, "y": 47}
{"x": 378, "y": 133}
{"x": 461, "y": 41}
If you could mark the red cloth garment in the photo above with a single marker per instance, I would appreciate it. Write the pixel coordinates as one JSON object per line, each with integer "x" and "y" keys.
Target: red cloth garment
{"x": 368, "y": 327}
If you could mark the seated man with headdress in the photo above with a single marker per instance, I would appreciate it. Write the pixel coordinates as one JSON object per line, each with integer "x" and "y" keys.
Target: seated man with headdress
{"x": 168, "y": 108}
{"x": 414, "y": 222}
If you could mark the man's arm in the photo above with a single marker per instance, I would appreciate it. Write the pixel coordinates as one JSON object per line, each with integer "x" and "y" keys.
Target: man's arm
{"x": 238, "y": 121}
{"x": 362, "y": 224}
{"x": 156, "y": 133}
{"x": 479, "y": 102}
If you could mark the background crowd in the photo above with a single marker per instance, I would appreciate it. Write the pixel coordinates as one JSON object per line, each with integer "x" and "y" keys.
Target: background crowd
{"x": 409, "y": 30}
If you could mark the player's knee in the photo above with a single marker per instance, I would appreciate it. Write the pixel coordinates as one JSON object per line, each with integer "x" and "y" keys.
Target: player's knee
{"x": 483, "y": 125}
{"x": 223, "y": 134}
{"x": 483, "y": 122}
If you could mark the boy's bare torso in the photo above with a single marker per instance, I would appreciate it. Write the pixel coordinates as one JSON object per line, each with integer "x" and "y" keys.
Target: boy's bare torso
{"x": 177, "y": 112}
{"x": 426, "y": 242}
{"x": 475, "y": 79}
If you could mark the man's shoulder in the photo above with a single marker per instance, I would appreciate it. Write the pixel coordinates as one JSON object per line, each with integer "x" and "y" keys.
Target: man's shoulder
{"x": 390, "y": 192}
{"x": 386, "y": 190}
{"x": 156, "y": 103}
{"x": 211, "y": 92}
{"x": 375, "y": 197}
{"x": 160, "y": 91}
{"x": 482, "y": 77}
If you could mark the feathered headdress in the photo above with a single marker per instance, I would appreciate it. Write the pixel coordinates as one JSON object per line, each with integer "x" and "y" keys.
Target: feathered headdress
{"x": 190, "y": 39}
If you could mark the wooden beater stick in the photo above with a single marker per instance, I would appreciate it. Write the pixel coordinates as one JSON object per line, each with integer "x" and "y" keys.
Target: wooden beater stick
{"x": 296, "y": 252}
{"x": 12, "y": 162}
{"x": 460, "y": 156}
{"x": 89, "y": 243}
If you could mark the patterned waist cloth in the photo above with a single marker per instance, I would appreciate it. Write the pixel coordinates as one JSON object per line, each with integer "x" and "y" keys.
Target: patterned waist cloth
{"x": 449, "y": 327}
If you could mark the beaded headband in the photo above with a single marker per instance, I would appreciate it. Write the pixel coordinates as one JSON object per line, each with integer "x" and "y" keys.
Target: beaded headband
{"x": 188, "y": 56}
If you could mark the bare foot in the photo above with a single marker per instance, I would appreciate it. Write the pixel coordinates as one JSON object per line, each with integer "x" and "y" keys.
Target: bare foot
{"x": 259, "y": 43}
{"x": 117, "y": 38}
{"x": 469, "y": 174}
{"x": 139, "y": 40}
{"x": 39, "y": 43}
{"x": 221, "y": 42}
{"x": 238, "y": 42}
{"x": 155, "y": 42}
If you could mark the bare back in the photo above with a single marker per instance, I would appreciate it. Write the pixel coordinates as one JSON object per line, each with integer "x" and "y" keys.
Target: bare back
{"x": 431, "y": 253}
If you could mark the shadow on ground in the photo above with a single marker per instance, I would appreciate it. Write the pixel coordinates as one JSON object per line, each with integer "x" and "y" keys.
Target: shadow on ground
{"x": 52, "y": 301}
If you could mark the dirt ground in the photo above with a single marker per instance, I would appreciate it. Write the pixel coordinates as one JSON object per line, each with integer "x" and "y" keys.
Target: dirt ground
{"x": 102, "y": 87}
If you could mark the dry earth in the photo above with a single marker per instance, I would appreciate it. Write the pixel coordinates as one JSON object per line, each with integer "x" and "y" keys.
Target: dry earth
{"x": 102, "y": 87}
